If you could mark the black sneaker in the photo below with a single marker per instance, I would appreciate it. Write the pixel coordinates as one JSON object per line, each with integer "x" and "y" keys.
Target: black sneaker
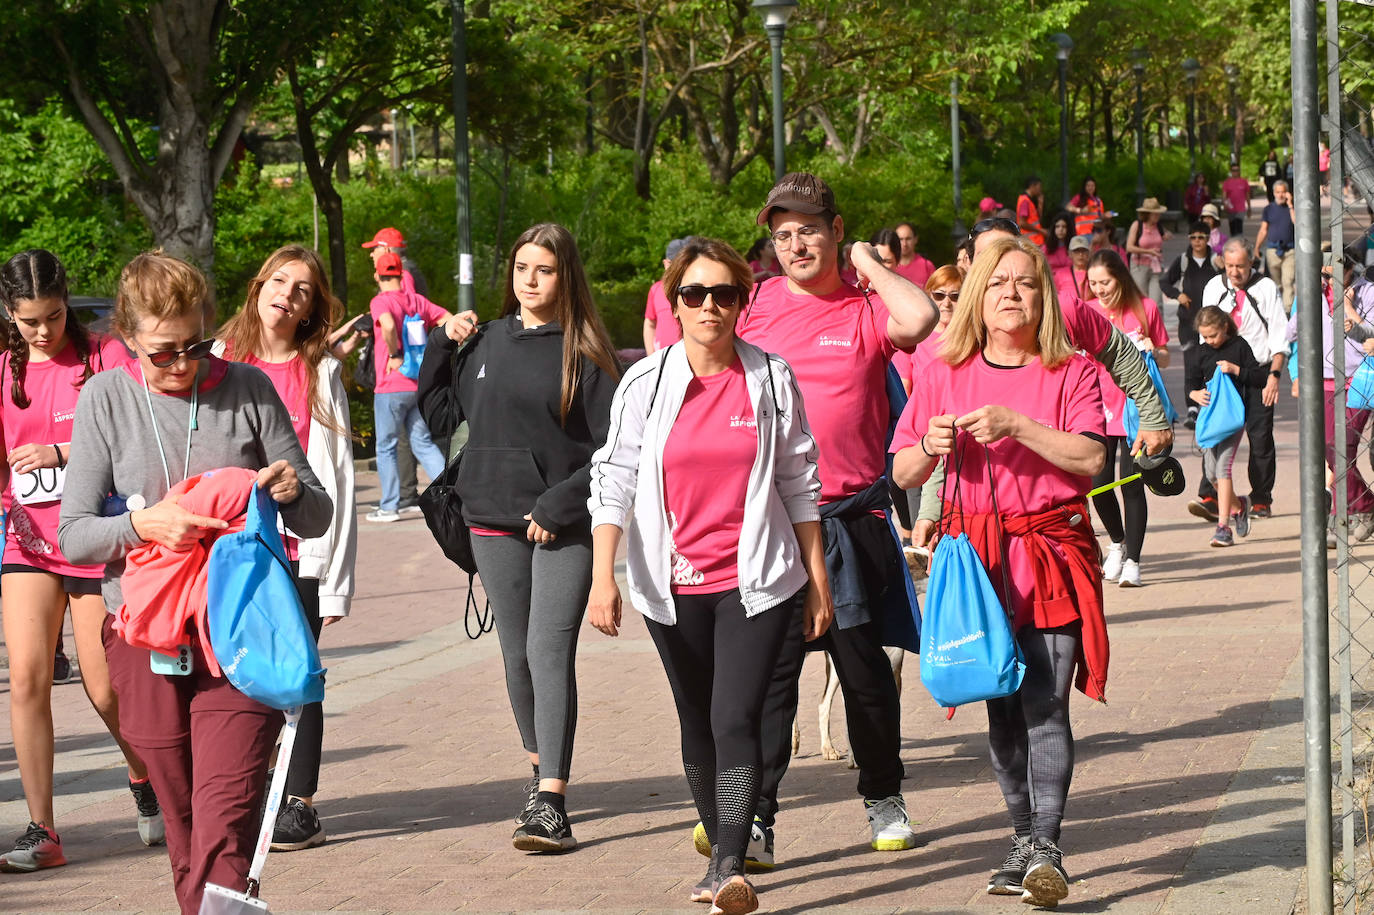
{"x": 1261, "y": 510}
{"x": 705, "y": 890}
{"x": 1045, "y": 882}
{"x": 734, "y": 895}
{"x": 1240, "y": 520}
{"x": 61, "y": 668}
{"x": 1204, "y": 508}
{"x": 547, "y": 829}
{"x": 531, "y": 790}
{"x": 1190, "y": 421}
{"x": 1006, "y": 880}
{"x": 151, "y": 830}
{"x": 298, "y": 827}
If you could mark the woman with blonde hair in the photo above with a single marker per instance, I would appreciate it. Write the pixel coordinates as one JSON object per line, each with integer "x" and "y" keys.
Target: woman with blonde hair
{"x": 535, "y": 388}
{"x": 1022, "y": 413}
{"x": 173, "y": 415}
{"x": 284, "y": 329}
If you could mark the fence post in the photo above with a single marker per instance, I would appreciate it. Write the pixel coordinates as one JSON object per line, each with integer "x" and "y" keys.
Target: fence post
{"x": 1311, "y": 457}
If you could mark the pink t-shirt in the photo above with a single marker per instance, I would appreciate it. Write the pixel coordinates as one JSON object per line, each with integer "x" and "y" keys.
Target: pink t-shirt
{"x": 1065, "y": 398}
{"x": 658, "y": 309}
{"x": 399, "y": 304}
{"x": 1237, "y": 193}
{"x": 52, "y": 388}
{"x": 1058, "y": 258}
{"x": 706, "y": 463}
{"x": 1113, "y": 398}
{"x": 289, "y": 379}
{"x": 838, "y": 348}
{"x": 918, "y": 271}
{"x": 1089, "y": 330}
{"x": 912, "y": 365}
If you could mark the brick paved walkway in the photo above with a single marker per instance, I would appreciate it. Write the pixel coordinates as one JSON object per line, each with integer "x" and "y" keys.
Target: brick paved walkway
{"x": 1187, "y": 795}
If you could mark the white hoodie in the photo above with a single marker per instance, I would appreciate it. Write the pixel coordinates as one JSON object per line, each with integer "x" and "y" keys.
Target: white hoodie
{"x": 783, "y": 488}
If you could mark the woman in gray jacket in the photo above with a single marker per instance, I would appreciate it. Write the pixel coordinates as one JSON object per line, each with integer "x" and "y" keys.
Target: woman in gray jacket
{"x": 725, "y": 553}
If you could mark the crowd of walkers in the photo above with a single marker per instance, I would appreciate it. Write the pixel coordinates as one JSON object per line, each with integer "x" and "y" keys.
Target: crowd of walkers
{"x": 795, "y": 433}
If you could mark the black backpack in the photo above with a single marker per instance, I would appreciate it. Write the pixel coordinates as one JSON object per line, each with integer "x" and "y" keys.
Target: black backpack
{"x": 365, "y": 372}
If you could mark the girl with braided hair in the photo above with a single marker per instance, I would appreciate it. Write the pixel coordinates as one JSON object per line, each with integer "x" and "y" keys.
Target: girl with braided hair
{"x": 48, "y": 357}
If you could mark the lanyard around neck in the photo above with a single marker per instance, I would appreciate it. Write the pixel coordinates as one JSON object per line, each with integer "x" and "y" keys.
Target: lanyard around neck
{"x": 190, "y": 427}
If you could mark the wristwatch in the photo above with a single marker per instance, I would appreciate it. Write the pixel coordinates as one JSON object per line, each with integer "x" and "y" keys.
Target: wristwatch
{"x": 1275, "y": 373}
{"x": 398, "y": 355}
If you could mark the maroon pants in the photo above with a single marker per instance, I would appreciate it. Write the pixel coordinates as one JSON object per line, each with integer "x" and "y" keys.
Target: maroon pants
{"x": 1357, "y": 492}
{"x": 206, "y": 746}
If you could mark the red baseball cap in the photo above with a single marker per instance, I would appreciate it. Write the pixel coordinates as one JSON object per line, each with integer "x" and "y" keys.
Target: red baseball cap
{"x": 390, "y": 237}
{"x": 389, "y": 264}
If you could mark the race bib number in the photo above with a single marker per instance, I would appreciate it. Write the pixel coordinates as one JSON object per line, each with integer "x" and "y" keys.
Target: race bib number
{"x": 41, "y": 486}
{"x": 415, "y": 333}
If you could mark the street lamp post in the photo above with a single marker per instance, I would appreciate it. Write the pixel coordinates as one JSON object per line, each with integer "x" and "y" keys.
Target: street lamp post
{"x": 1138, "y": 57}
{"x": 1232, "y": 74}
{"x": 959, "y": 230}
{"x": 1190, "y": 71}
{"x": 460, "y": 154}
{"x": 1065, "y": 45}
{"x": 775, "y": 14}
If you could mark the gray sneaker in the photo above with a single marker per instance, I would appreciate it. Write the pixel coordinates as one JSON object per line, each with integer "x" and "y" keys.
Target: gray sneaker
{"x": 1364, "y": 525}
{"x": 383, "y": 515}
{"x": 1006, "y": 880}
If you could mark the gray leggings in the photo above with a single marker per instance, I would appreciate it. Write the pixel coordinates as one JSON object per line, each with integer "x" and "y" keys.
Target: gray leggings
{"x": 1029, "y": 733}
{"x": 538, "y": 595}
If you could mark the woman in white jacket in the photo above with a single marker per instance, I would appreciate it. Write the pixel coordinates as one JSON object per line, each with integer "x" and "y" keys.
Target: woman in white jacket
{"x": 283, "y": 329}
{"x": 709, "y": 437}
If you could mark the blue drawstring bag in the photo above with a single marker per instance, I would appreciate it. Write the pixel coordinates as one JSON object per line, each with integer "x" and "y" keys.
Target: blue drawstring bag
{"x": 258, "y": 629}
{"x": 1130, "y": 416}
{"x": 1223, "y": 415}
{"x": 968, "y": 651}
{"x": 1360, "y": 394}
{"x": 413, "y": 337}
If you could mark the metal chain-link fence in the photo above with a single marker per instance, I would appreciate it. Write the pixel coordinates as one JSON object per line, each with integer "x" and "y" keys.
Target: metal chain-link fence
{"x": 1349, "y": 421}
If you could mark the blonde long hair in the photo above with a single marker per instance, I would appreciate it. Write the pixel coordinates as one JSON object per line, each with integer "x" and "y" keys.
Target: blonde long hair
{"x": 967, "y": 335}
{"x": 242, "y": 334}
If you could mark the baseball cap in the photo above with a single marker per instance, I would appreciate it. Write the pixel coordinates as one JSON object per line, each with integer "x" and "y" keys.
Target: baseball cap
{"x": 674, "y": 248}
{"x": 799, "y": 191}
{"x": 1080, "y": 243}
{"x": 390, "y": 237}
{"x": 988, "y": 204}
{"x": 389, "y": 264}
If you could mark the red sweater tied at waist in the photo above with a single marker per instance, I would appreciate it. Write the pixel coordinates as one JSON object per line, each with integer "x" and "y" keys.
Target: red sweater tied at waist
{"x": 164, "y": 590}
{"x": 1067, "y": 585}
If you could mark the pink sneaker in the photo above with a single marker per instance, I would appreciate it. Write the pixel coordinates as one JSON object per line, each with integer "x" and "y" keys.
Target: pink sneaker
{"x": 37, "y": 848}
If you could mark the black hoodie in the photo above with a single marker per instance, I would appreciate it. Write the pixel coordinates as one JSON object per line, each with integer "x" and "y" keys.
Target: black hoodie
{"x": 519, "y": 458}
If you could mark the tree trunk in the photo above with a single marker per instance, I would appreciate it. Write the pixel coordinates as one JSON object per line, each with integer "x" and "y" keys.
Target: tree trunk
{"x": 321, "y": 180}
{"x": 1109, "y": 140}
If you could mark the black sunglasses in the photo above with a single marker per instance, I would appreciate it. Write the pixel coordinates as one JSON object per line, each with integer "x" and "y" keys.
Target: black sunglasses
{"x": 724, "y": 296}
{"x": 167, "y": 358}
{"x": 941, "y": 296}
{"x": 999, "y": 223}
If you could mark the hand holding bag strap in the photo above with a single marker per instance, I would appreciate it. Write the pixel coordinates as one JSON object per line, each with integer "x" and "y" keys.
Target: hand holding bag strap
{"x": 1001, "y": 538}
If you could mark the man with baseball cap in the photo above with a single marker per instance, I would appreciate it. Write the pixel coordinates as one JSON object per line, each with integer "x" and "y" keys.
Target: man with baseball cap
{"x": 839, "y": 345}
{"x": 395, "y": 406}
{"x": 660, "y": 327}
{"x": 390, "y": 240}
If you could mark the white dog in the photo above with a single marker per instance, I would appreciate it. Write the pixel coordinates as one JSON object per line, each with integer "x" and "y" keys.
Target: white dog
{"x": 832, "y": 685}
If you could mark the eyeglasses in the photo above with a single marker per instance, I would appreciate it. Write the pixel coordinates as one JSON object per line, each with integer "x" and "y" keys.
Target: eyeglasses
{"x": 805, "y": 233}
{"x": 167, "y": 358}
{"x": 941, "y": 296}
{"x": 724, "y": 296}
{"x": 1197, "y": 237}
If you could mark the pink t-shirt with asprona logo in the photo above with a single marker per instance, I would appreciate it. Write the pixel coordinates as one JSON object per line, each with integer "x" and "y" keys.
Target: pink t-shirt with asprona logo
{"x": 838, "y": 348}
{"x": 1066, "y": 398}
{"x": 706, "y": 464}
{"x": 657, "y": 309}
{"x": 33, "y": 500}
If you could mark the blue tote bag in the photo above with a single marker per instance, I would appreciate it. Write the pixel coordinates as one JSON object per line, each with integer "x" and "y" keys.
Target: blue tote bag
{"x": 1360, "y": 394}
{"x": 1223, "y": 415}
{"x": 968, "y": 651}
{"x": 257, "y": 624}
{"x": 1130, "y": 416}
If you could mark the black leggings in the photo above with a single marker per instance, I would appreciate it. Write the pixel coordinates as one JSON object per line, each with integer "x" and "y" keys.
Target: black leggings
{"x": 719, "y": 664}
{"x": 1132, "y": 494}
{"x": 303, "y": 774}
{"x": 1029, "y": 736}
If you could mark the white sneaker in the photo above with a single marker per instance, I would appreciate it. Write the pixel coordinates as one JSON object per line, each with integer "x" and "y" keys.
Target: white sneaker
{"x": 1111, "y": 566}
{"x": 408, "y": 510}
{"x": 1130, "y": 574}
{"x": 891, "y": 827}
{"x": 383, "y": 515}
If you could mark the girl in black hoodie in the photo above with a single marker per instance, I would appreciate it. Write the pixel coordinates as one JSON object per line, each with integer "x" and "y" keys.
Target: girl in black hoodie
{"x": 535, "y": 388}
{"x": 1224, "y": 351}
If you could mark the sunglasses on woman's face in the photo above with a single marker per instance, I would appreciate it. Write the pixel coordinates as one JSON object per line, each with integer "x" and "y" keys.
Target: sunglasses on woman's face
{"x": 724, "y": 296}
{"x": 166, "y": 358}
{"x": 941, "y": 296}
